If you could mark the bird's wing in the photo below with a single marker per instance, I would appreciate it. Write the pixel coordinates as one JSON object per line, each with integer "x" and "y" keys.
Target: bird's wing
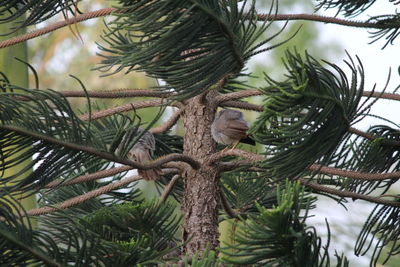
{"x": 235, "y": 129}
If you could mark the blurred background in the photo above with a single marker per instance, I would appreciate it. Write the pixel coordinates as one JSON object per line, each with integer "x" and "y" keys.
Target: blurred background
{"x": 57, "y": 55}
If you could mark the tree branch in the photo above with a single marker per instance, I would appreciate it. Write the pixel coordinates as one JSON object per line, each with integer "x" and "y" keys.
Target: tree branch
{"x": 225, "y": 205}
{"x": 255, "y": 92}
{"x": 90, "y": 150}
{"x": 232, "y": 165}
{"x": 87, "y": 196}
{"x": 168, "y": 188}
{"x": 89, "y": 177}
{"x": 116, "y": 93}
{"x": 127, "y": 107}
{"x": 353, "y": 174}
{"x": 56, "y": 26}
{"x": 383, "y": 141}
{"x": 237, "y": 95}
{"x": 259, "y": 108}
{"x": 234, "y": 152}
{"x": 82, "y": 198}
{"x": 261, "y": 17}
{"x": 325, "y": 19}
{"x": 314, "y": 167}
{"x": 242, "y": 105}
{"x": 227, "y": 100}
{"x": 389, "y": 96}
{"x": 347, "y": 194}
{"x": 168, "y": 124}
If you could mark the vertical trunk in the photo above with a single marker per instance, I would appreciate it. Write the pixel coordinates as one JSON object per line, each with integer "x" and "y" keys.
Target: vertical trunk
{"x": 201, "y": 186}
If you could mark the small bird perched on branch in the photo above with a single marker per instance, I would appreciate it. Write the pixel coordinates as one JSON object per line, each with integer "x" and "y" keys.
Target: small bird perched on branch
{"x": 229, "y": 128}
{"x": 142, "y": 151}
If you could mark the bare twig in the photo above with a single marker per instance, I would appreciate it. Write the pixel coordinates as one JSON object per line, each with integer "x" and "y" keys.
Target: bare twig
{"x": 127, "y": 107}
{"x": 89, "y": 177}
{"x": 389, "y": 96}
{"x": 168, "y": 188}
{"x": 242, "y": 105}
{"x": 56, "y": 26}
{"x": 383, "y": 141}
{"x": 354, "y": 174}
{"x": 234, "y": 152}
{"x": 237, "y": 95}
{"x": 232, "y": 165}
{"x": 225, "y": 98}
{"x": 116, "y": 93}
{"x": 225, "y": 205}
{"x": 168, "y": 124}
{"x": 325, "y": 19}
{"x": 347, "y": 194}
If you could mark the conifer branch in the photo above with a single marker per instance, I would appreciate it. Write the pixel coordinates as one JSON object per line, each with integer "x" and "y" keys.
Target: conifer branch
{"x": 383, "y": 141}
{"x": 261, "y": 17}
{"x": 354, "y": 174}
{"x": 234, "y": 152}
{"x": 252, "y": 157}
{"x": 55, "y": 26}
{"x": 242, "y": 105}
{"x": 123, "y": 108}
{"x": 89, "y": 177}
{"x": 116, "y": 93}
{"x": 168, "y": 188}
{"x": 347, "y": 194}
{"x": 107, "y": 156}
{"x": 168, "y": 124}
{"x": 225, "y": 205}
{"x": 82, "y": 198}
{"x": 324, "y": 19}
{"x": 237, "y": 95}
{"x": 87, "y": 196}
{"x": 236, "y": 164}
{"x": 256, "y": 92}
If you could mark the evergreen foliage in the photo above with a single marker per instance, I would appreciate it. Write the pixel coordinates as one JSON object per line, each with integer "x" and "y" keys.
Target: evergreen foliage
{"x": 196, "y": 47}
{"x": 279, "y": 236}
{"x": 189, "y": 44}
{"x": 314, "y": 105}
{"x": 38, "y": 11}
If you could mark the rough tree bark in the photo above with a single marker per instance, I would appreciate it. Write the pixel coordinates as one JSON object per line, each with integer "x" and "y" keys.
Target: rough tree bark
{"x": 200, "y": 227}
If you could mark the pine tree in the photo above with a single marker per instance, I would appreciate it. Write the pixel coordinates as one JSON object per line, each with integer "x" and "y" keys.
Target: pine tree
{"x": 92, "y": 213}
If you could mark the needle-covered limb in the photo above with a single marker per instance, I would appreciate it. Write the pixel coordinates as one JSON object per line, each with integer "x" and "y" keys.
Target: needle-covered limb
{"x": 89, "y": 195}
{"x": 347, "y": 194}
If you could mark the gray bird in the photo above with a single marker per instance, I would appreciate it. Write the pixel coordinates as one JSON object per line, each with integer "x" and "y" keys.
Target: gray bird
{"x": 229, "y": 128}
{"x": 142, "y": 151}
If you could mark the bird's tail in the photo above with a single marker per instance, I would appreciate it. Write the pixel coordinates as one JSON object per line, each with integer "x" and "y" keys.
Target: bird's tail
{"x": 143, "y": 156}
{"x": 248, "y": 140}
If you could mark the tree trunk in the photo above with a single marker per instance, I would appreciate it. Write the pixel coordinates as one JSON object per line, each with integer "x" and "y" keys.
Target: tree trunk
{"x": 200, "y": 227}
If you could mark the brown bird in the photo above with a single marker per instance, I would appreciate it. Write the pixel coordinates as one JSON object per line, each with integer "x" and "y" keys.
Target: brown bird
{"x": 229, "y": 128}
{"x": 142, "y": 151}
